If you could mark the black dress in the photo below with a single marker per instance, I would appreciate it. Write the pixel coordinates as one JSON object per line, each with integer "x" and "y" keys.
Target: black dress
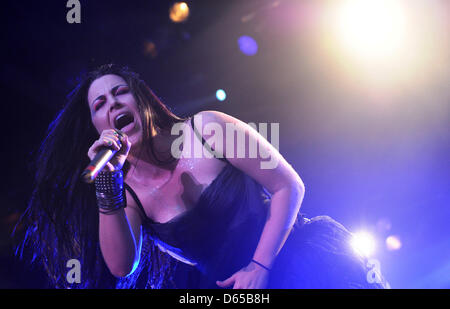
{"x": 218, "y": 237}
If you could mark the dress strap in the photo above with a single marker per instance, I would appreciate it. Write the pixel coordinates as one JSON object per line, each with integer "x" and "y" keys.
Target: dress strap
{"x": 136, "y": 199}
{"x": 205, "y": 144}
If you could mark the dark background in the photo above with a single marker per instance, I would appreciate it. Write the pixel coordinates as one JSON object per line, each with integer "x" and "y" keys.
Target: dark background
{"x": 372, "y": 158}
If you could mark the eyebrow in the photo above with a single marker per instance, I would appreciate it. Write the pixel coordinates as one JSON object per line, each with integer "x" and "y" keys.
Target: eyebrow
{"x": 113, "y": 89}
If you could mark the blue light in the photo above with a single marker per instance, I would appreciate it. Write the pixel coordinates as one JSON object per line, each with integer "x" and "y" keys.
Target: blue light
{"x": 221, "y": 95}
{"x": 248, "y": 45}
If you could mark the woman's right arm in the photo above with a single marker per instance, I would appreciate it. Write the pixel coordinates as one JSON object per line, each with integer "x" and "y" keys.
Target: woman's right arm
{"x": 119, "y": 231}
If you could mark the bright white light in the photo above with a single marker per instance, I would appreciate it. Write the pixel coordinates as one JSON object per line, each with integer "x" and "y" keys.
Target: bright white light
{"x": 221, "y": 95}
{"x": 363, "y": 243}
{"x": 371, "y": 29}
{"x": 386, "y": 47}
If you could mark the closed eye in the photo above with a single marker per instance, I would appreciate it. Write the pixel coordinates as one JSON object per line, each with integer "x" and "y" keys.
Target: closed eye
{"x": 98, "y": 105}
{"x": 122, "y": 90}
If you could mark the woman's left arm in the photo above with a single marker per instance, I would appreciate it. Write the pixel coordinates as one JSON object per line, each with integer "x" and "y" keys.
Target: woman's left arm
{"x": 272, "y": 171}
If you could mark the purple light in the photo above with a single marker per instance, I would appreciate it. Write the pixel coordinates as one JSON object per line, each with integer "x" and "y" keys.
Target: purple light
{"x": 248, "y": 45}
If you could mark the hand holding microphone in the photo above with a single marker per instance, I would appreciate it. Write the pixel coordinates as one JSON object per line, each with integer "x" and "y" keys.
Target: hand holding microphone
{"x": 109, "y": 152}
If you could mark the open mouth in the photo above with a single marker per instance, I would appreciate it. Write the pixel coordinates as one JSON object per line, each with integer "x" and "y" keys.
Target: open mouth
{"x": 123, "y": 120}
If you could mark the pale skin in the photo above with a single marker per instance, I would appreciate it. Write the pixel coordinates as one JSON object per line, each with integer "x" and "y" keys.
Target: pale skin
{"x": 179, "y": 187}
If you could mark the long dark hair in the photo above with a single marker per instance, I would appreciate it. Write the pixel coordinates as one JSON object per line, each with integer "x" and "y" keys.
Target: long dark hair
{"x": 61, "y": 219}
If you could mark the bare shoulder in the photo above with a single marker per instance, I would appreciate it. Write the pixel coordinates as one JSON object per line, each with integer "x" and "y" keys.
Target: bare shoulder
{"x": 212, "y": 120}
{"x": 214, "y": 116}
{"x": 253, "y": 154}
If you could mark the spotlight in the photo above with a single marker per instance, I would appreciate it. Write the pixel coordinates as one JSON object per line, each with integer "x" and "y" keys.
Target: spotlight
{"x": 248, "y": 45}
{"x": 150, "y": 49}
{"x": 393, "y": 243}
{"x": 372, "y": 28}
{"x": 363, "y": 243}
{"x": 179, "y": 12}
{"x": 221, "y": 95}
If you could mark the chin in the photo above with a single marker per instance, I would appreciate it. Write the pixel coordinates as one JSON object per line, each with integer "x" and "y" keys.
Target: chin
{"x": 135, "y": 139}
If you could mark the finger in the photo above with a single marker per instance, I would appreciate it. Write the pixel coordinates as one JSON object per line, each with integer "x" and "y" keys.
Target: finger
{"x": 94, "y": 148}
{"x": 226, "y": 282}
{"x": 112, "y": 131}
{"x": 238, "y": 286}
{"x": 123, "y": 137}
{"x": 109, "y": 167}
{"x": 126, "y": 145}
{"x": 116, "y": 133}
{"x": 125, "y": 140}
{"x": 111, "y": 142}
{"x": 223, "y": 284}
{"x": 119, "y": 133}
{"x": 112, "y": 135}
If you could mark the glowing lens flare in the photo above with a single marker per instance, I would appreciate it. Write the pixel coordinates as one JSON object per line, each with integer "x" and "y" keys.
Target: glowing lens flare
{"x": 248, "y": 45}
{"x": 221, "y": 95}
{"x": 371, "y": 28}
{"x": 179, "y": 12}
{"x": 393, "y": 242}
{"x": 363, "y": 243}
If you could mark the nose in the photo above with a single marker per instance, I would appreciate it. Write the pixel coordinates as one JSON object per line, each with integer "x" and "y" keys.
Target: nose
{"x": 115, "y": 105}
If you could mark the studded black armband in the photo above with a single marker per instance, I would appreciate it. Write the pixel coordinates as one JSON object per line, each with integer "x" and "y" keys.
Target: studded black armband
{"x": 109, "y": 191}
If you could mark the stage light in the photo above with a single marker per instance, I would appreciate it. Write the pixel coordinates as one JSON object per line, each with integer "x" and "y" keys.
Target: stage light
{"x": 221, "y": 95}
{"x": 248, "y": 45}
{"x": 393, "y": 243}
{"x": 384, "y": 48}
{"x": 371, "y": 29}
{"x": 179, "y": 12}
{"x": 150, "y": 49}
{"x": 363, "y": 243}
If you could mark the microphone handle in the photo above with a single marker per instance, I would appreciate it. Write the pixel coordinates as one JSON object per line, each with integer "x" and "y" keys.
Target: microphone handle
{"x": 97, "y": 164}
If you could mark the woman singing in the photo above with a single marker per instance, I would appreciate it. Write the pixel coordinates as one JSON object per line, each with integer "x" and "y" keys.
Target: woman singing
{"x": 158, "y": 216}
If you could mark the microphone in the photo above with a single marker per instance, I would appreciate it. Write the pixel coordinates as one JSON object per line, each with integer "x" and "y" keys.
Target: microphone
{"x": 98, "y": 163}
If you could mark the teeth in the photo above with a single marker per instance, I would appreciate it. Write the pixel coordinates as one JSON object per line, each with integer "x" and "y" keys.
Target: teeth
{"x": 120, "y": 116}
